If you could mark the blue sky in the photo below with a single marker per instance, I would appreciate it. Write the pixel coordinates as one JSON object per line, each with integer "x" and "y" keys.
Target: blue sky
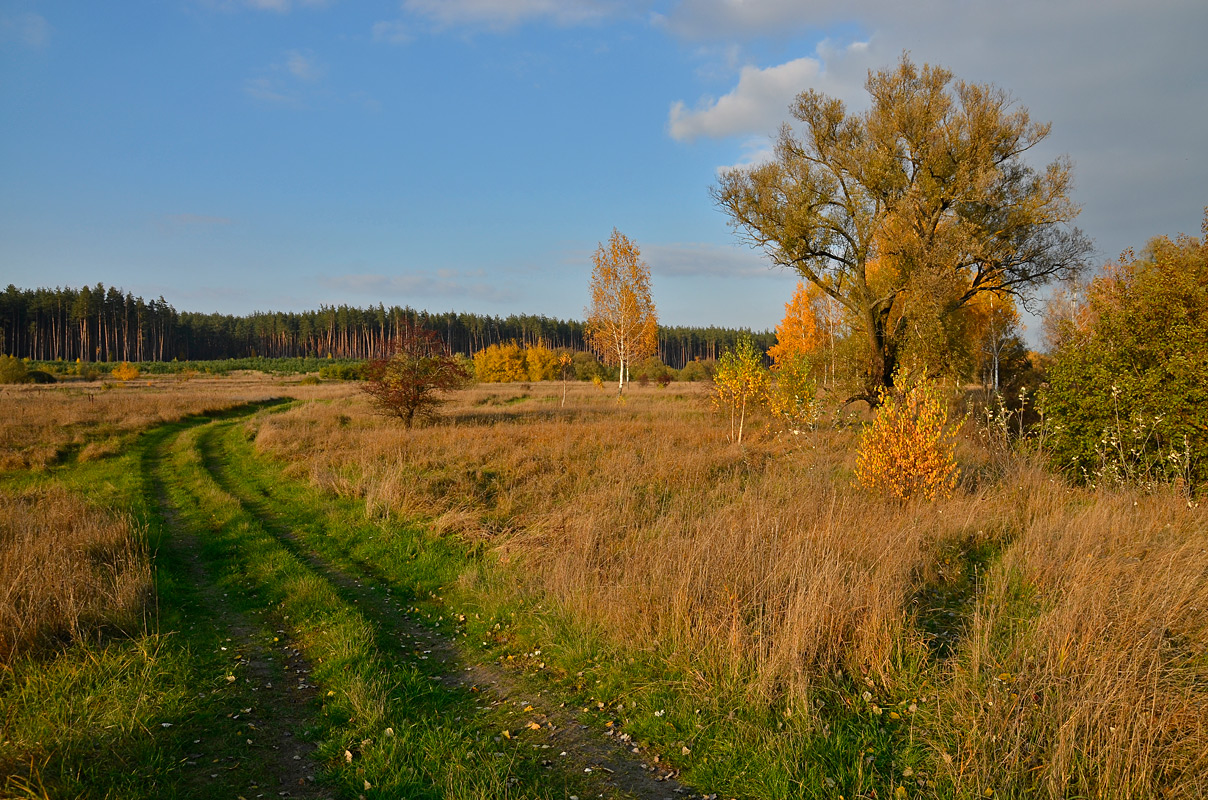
{"x": 469, "y": 154}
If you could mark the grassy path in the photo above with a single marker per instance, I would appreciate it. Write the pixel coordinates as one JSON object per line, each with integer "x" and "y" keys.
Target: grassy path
{"x": 268, "y": 702}
{"x": 296, "y": 649}
{"x": 353, "y": 611}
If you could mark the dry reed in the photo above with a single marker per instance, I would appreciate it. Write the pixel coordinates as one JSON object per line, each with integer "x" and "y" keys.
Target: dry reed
{"x": 1087, "y": 666}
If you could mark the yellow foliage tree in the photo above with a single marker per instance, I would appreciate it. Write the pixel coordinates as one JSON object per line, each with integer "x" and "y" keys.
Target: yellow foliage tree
{"x": 621, "y": 321}
{"x": 799, "y": 333}
{"x": 931, "y": 182}
{"x": 541, "y": 363}
{"x": 908, "y": 449}
{"x": 740, "y": 380}
{"x": 501, "y": 363}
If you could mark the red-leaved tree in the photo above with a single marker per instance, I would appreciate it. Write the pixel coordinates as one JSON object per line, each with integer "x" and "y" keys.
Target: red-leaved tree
{"x": 410, "y": 383}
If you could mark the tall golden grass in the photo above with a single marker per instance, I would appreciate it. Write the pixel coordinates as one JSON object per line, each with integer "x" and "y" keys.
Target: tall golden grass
{"x": 67, "y": 569}
{"x": 1081, "y": 670}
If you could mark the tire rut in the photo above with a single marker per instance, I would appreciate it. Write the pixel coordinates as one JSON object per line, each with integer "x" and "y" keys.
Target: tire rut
{"x": 279, "y": 713}
{"x": 613, "y": 763}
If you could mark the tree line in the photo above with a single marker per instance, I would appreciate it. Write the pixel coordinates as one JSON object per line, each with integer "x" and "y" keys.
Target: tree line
{"x": 100, "y": 323}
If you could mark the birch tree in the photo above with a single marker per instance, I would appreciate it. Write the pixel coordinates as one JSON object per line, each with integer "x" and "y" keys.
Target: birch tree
{"x": 621, "y": 322}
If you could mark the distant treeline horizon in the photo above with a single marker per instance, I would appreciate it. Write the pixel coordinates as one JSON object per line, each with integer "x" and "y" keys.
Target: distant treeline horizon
{"x": 99, "y": 323}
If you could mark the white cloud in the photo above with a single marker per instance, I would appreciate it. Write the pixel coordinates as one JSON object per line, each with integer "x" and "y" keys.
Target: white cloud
{"x": 268, "y": 91}
{"x": 441, "y": 283}
{"x": 392, "y": 32}
{"x": 756, "y": 103}
{"x": 284, "y": 6}
{"x": 760, "y": 100}
{"x": 729, "y": 19}
{"x": 274, "y": 6}
{"x": 288, "y": 82}
{"x": 502, "y": 14}
{"x": 756, "y": 150}
{"x": 30, "y": 29}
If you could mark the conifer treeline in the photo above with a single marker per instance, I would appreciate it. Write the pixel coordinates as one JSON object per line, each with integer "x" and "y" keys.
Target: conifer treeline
{"x": 102, "y": 323}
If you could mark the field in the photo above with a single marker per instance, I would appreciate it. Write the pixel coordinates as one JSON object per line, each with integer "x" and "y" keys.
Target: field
{"x": 242, "y": 586}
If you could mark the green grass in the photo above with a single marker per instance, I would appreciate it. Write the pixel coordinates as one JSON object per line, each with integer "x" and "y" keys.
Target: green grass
{"x": 442, "y": 745}
{"x": 144, "y": 714}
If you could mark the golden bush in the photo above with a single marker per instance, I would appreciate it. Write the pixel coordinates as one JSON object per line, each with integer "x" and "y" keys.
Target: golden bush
{"x": 908, "y": 449}
{"x": 125, "y": 371}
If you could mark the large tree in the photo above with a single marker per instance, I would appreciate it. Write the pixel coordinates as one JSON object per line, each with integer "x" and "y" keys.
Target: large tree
{"x": 924, "y": 201}
{"x": 621, "y": 321}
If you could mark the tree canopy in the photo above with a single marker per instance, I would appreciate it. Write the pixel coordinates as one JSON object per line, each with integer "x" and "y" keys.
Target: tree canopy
{"x": 800, "y": 332}
{"x": 906, "y": 212}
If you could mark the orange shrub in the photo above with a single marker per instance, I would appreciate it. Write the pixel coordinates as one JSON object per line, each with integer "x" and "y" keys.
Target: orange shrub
{"x": 907, "y": 450}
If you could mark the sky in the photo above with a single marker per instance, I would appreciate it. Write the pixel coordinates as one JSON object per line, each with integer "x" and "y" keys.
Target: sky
{"x": 469, "y": 155}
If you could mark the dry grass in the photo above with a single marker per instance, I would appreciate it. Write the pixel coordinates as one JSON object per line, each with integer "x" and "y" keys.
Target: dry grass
{"x": 1087, "y": 665}
{"x": 66, "y": 568}
{"x": 43, "y": 423}
{"x": 763, "y": 562}
{"x": 1082, "y": 668}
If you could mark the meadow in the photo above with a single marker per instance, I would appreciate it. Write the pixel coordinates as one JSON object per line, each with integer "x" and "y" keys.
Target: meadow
{"x": 744, "y": 617}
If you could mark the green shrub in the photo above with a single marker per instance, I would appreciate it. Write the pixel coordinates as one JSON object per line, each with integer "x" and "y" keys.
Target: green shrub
{"x": 1128, "y": 399}
{"x": 40, "y": 376}
{"x": 13, "y": 370}
{"x": 343, "y": 371}
{"x": 698, "y": 370}
{"x": 586, "y": 367}
{"x": 310, "y": 380}
{"x": 651, "y": 369}
{"x": 793, "y": 395}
